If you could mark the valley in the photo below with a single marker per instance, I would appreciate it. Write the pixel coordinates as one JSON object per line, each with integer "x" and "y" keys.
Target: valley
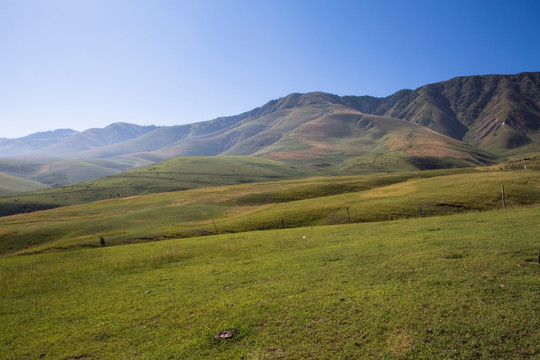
{"x": 315, "y": 226}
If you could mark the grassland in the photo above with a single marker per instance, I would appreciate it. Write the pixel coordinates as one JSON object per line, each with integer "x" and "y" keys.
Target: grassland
{"x": 169, "y": 175}
{"x": 270, "y": 205}
{"x": 462, "y": 286}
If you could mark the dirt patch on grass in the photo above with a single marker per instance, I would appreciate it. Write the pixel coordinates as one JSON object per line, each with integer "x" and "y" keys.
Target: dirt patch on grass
{"x": 271, "y": 352}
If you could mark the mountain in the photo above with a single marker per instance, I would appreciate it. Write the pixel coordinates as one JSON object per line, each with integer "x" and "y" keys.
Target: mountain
{"x": 307, "y": 128}
{"x": 314, "y": 128}
{"x": 36, "y": 141}
{"x": 497, "y": 113}
{"x": 464, "y": 121}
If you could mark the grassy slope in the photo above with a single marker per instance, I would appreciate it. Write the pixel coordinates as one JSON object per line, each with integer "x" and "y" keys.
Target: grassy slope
{"x": 306, "y": 202}
{"x": 427, "y": 288}
{"x": 12, "y": 184}
{"x": 169, "y": 175}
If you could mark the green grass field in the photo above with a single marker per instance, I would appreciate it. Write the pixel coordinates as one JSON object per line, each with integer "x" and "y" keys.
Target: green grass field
{"x": 270, "y": 205}
{"x": 390, "y": 284}
{"x": 462, "y": 286}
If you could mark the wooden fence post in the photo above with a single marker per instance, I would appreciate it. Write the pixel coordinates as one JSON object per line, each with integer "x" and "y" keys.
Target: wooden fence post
{"x": 503, "y": 198}
{"x": 349, "y": 215}
{"x": 215, "y": 227}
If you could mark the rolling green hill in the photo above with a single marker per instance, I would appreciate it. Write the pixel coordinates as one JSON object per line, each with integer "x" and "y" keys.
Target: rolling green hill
{"x": 169, "y": 175}
{"x": 387, "y": 275}
{"x": 269, "y": 205}
{"x": 12, "y": 185}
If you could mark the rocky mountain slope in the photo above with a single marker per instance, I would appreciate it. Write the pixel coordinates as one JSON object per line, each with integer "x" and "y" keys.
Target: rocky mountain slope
{"x": 498, "y": 113}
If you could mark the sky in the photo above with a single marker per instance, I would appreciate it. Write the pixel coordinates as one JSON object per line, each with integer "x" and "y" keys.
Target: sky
{"x": 83, "y": 64}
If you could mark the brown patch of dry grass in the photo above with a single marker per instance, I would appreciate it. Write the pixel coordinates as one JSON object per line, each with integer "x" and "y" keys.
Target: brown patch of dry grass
{"x": 399, "y": 340}
{"x": 425, "y": 143}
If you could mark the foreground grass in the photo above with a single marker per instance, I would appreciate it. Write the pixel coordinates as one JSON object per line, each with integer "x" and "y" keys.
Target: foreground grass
{"x": 463, "y": 286}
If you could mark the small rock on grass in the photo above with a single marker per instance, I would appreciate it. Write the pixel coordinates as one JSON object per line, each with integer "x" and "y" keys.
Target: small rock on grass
{"x": 225, "y": 334}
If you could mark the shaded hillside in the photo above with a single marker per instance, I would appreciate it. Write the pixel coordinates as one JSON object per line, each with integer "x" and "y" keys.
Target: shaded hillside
{"x": 342, "y": 134}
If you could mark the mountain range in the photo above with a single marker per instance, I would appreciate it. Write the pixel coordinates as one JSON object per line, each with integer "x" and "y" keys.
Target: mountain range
{"x": 464, "y": 121}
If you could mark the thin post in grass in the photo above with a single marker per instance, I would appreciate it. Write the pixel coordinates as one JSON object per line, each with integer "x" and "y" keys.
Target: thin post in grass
{"x": 420, "y": 211}
{"x": 349, "y": 215}
{"x": 283, "y": 223}
{"x": 215, "y": 227}
{"x": 503, "y": 198}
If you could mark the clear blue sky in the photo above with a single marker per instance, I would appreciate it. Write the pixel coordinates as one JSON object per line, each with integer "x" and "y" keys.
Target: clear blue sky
{"x": 88, "y": 63}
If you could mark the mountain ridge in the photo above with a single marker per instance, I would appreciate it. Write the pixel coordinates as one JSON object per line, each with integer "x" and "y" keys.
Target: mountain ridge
{"x": 469, "y": 108}
{"x": 35, "y": 141}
